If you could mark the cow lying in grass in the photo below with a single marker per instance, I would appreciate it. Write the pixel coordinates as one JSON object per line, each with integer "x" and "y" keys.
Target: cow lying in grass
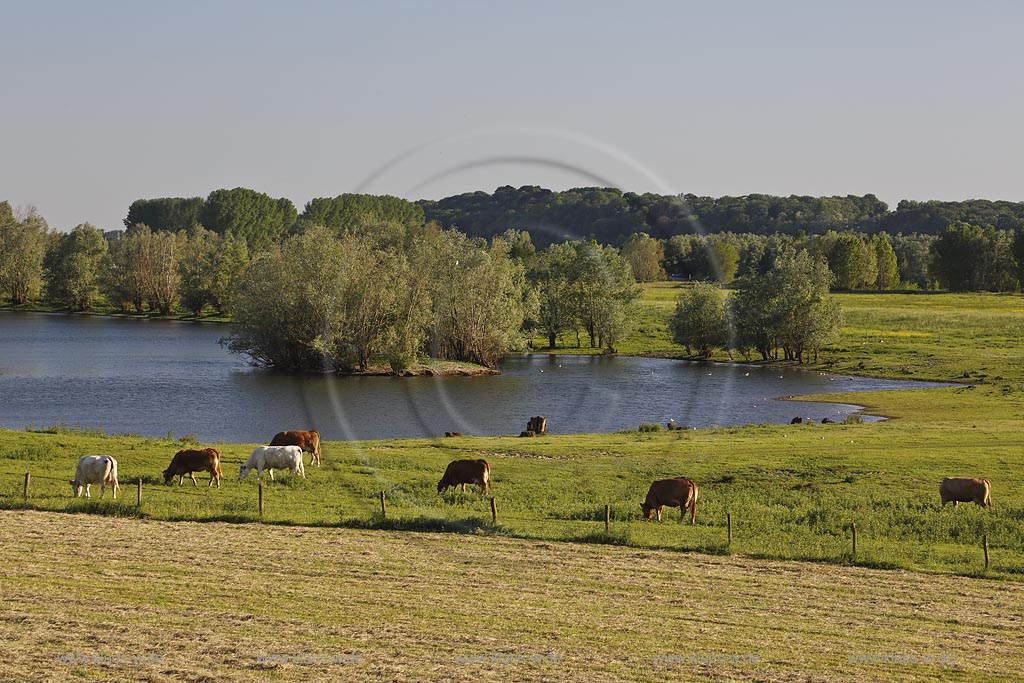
{"x": 95, "y": 469}
{"x": 271, "y": 458}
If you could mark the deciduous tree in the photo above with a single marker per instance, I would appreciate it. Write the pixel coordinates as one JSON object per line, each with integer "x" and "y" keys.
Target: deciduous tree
{"x": 73, "y": 267}
{"x": 644, "y": 256}
{"x": 253, "y": 216}
{"x": 885, "y": 258}
{"x": 23, "y": 244}
{"x": 699, "y": 320}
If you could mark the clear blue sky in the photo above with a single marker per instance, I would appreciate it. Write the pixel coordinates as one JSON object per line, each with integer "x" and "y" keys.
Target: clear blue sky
{"x": 107, "y": 102}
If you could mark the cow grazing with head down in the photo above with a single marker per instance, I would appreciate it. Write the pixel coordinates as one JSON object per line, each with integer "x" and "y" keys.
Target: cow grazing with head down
{"x": 272, "y": 458}
{"x": 189, "y": 461}
{"x": 679, "y": 492}
{"x": 307, "y": 441}
{"x": 965, "y": 490}
{"x": 462, "y": 472}
{"x": 95, "y": 469}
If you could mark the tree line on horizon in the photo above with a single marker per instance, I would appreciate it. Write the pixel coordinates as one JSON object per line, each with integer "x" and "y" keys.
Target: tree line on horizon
{"x": 610, "y": 215}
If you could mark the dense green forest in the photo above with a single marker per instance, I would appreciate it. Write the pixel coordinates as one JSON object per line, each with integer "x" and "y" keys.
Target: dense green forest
{"x": 610, "y": 216}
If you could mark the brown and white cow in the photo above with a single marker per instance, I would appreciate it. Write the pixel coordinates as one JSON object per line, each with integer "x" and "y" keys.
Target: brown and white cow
{"x": 189, "y": 461}
{"x": 307, "y": 441}
{"x": 679, "y": 492}
{"x": 965, "y": 490}
{"x": 462, "y": 472}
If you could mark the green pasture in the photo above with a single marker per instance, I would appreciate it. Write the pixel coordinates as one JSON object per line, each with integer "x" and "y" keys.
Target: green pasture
{"x": 793, "y": 491}
{"x": 942, "y": 336}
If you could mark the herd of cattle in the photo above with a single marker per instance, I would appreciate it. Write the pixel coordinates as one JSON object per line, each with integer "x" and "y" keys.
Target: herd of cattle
{"x": 286, "y": 448}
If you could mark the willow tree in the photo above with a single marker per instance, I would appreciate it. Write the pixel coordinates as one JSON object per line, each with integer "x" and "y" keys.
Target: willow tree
{"x": 476, "y": 295}
{"x": 787, "y": 308}
{"x": 283, "y": 304}
{"x": 210, "y": 266}
{"x": 553, "y": 275}
{"x": 23, "y": 244}
{"x": 699, "y": 320}
{"x": 605, "y": 294}
{"x": 322, "y": 303}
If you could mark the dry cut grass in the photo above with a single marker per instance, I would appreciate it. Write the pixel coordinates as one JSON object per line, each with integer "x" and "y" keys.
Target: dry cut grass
{"x": 99, "y": 598}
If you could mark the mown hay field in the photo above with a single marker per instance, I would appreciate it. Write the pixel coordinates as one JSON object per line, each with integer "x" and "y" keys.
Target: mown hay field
{"x": 89, "y": 597}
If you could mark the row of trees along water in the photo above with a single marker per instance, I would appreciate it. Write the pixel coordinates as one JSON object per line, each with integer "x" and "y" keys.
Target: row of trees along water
{"x": 358, "y": 277}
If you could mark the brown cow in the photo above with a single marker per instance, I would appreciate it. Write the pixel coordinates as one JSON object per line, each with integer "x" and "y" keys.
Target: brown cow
{"x": 307, "y": 441}
{"x": 466, "y": 472}
{"x": 189, "y": 461}
{"x": 679, "y": 492}
{"x": 965, "y": 490}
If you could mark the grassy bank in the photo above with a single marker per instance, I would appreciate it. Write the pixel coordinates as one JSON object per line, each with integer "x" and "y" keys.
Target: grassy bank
{"x": 793, "y": 491}
{"x": 104, "y": 309}
{"x": 130, "y": 602}
{"x": 943, "y": 337}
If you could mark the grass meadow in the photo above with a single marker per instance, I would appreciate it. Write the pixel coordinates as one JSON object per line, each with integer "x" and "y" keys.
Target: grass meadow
{"x": 927, "y": 336}
{"x": 792, "y": 491}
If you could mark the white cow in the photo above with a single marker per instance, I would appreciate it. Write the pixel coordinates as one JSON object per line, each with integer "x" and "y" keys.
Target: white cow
{"x": 95, "y": 469}
{"x": 273, "y": 457}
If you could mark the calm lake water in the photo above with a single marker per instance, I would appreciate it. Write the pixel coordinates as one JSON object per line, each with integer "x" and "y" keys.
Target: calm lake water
{"x": 154, "y": 377}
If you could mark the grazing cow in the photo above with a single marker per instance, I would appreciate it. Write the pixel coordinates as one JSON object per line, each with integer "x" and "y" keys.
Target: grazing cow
{"x": 466, "y": 472}
{"x": 273, "y": 457}
{"x": 95, "y": 469}
{"x": 679, "y": 492}
{"x": 965, "y": 490}
{"x": 189, "y": 461}
{"x": 307, "y": 441}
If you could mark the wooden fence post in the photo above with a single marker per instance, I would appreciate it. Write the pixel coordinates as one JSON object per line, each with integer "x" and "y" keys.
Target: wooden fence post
{"x": 262, "y": 508}
{"x": 853, "y": 526}
{"x": 728, "y": 523}
{"x": 494, "y": 511}
{"x": 607, "y": 517}
{"x": 985, "y": 544}
{"x": 28, "y": 477}
{"x": 383, "y": 506}
{"x": 138, "y": 493}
